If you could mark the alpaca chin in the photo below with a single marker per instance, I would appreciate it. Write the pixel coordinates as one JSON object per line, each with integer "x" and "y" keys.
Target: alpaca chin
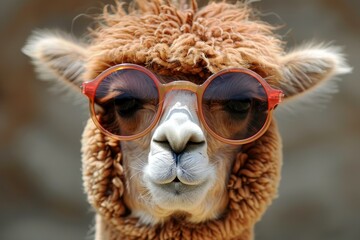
{"x": 185, "y": 192}
{"x": 177, "y": 196}
{"x": 177, "y": 200}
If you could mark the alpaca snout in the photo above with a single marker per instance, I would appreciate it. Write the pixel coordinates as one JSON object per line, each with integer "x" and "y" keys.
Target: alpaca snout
{"x": 178, "y": 132}
{"x": 190, "y": 167}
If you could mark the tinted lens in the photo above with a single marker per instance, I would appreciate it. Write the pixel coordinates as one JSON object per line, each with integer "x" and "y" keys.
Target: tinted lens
{"x": 128, "y": 100}
{"x": 235, "y": 105}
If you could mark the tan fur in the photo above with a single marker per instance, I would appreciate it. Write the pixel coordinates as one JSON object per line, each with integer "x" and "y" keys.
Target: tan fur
{"x": 251, "y": 186}
{"x": 170, "y": 41}
{"x": 54, "y": 57}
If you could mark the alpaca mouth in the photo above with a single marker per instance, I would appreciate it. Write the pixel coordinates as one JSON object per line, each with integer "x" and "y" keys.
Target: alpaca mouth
{"x": 178, "y": 188}
{"x": 176, "y": 180}
{"x": 177, "y": 196}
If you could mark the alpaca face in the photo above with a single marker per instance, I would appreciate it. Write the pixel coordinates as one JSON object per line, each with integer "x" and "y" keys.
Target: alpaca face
{"x": 182, "y": 173}
{"x": 178, "y": 168}
{"x": 234, "y": 105}
{"x": 178, "y": 164}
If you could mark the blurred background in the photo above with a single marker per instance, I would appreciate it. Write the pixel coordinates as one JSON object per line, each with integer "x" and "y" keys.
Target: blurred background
{"x": 41, "y": 195}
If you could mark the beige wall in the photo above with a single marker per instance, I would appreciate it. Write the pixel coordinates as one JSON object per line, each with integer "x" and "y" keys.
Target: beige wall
{"x": 40, "y": 182}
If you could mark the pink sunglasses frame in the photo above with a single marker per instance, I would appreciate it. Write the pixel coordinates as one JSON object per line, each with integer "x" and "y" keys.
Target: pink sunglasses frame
{"x": 89, "y": 89}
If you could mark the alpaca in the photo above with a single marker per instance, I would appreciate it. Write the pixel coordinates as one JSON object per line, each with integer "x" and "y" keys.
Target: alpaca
{"x": 157, "y": 168}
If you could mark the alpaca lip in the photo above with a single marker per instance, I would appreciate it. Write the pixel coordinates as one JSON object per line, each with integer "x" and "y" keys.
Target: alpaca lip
{"x": 178, "y": 188}
{"x": 178, "y": 196}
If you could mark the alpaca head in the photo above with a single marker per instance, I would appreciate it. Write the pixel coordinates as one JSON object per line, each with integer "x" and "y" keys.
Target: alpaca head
{"x": 177, "y": 167}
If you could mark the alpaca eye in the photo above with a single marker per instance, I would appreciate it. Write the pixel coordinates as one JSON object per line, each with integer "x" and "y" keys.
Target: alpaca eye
{"x": 238, "y": 106}
{"x": 127, "y": 105}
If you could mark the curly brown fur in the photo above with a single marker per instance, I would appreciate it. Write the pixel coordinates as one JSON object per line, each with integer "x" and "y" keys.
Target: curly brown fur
{"x": 252, "y": 185}
{"x": 174, "y": 39}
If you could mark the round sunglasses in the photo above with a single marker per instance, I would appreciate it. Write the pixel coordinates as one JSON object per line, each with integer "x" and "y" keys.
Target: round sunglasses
{"x": 234, "y": 105}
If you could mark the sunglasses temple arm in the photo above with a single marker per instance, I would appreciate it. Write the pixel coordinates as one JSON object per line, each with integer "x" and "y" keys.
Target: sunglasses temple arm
{"x": 275, "y": 98}
{"x": 88, "y": 89}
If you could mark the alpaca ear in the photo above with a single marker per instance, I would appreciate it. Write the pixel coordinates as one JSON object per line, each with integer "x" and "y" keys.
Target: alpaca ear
{"x": 58, "y": 57}
{"x": 306, "y": 70}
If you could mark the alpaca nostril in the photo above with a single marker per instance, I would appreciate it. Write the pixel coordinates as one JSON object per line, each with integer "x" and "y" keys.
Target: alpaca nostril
{"x": 179, "y": 131}
{"x": 178, "y": 144}
{"x": 177, "y": 151}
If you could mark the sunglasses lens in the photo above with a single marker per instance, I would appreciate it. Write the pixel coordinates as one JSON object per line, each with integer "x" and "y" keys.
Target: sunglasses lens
{"x": 128, "y": 101}
{"x": 235, "y": 105}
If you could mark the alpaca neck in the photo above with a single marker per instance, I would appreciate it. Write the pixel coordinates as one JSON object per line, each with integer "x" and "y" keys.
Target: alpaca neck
{"x": 106, "y": 231}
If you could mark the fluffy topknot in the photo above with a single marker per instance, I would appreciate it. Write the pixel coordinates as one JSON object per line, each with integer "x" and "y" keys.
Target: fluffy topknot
{"x": 175, "y": 38}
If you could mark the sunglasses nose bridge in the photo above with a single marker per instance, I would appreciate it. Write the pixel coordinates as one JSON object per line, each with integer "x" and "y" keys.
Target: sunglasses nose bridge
{"x": 181, "y": 85}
